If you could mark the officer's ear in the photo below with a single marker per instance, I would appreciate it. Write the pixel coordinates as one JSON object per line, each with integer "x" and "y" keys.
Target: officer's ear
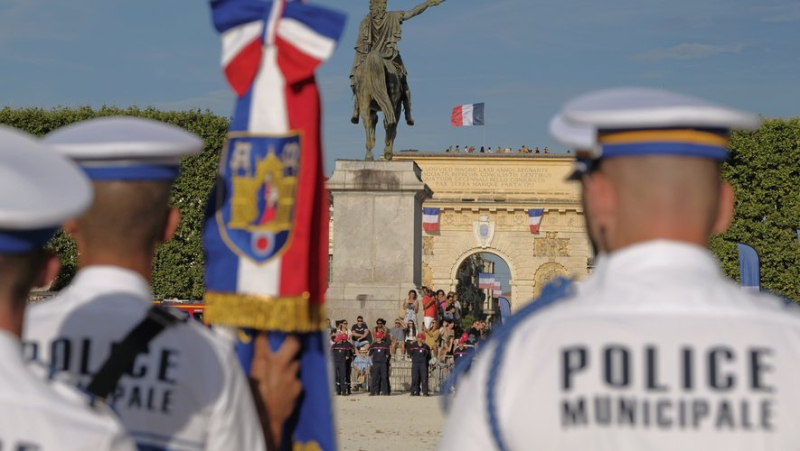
{"x": 725, "y": 205}
{"x": 600, "y": 199}
{"x": 171, "y": 225}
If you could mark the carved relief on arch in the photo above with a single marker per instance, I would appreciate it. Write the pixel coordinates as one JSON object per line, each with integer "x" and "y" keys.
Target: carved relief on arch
{"x": 545, "y": 274}
{"x": 427, "y": 275}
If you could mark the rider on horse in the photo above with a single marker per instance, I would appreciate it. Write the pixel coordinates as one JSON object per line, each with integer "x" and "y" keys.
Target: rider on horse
{"x": 380, "y": 32}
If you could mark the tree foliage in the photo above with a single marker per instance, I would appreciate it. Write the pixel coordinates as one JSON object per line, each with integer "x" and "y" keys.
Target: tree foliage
{"x": 764, "y": 170}
{"x": 178, "y": 269}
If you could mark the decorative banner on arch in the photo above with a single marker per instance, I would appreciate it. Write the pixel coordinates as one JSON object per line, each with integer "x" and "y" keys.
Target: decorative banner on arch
{"x": 430, "y": 219}
{"x": 485, "y": 280}
{"x": 749, "y": 267}
{"x": 266, "y": 227}
{"x": 535, "y": 219}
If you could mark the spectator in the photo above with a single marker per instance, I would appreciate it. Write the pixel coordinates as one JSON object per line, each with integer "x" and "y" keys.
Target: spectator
{"x": 457, "y": 303}
{"x": 441, "y": 304}
{"x": 362, "y": 364}
{"x": 411, "y": 306}
{"x": 447, "y": 336}
{"x": 483, "y": 150}
{"x": 489, "y": 150}
{"x": 360, "y": 333}
{"x": 429, "y": 308}
{"x": 449, "y": 149}
{"x": 450, "y": 312}
{"x": 398, "y": 336}
{"x": 474, "y": 332}
{"x": 432, "y": 337}
{"x": 458, "y": 149}
{"x": 546, "y": 149}
{"x": 411, "y": 333}
{"x": 380, "y": 326}
{"x": 341, "y": 327}
{"x": 536, "y": 150}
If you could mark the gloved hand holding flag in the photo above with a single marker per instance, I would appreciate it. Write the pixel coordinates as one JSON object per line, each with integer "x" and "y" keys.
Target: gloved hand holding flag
{"x": 266, "y": 231}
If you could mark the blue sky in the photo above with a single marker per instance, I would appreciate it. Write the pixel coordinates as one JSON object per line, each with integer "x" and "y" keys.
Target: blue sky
{"x": 523, "y": 58}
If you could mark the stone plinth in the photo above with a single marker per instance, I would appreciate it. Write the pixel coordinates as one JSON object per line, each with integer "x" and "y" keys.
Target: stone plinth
{"x": 377, "y": 242}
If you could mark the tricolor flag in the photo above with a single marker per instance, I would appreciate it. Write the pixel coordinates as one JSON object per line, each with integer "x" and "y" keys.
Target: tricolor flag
{"x": 430, "y": 219}
{"x": 535, "y": 218}
{"x": 485, "y": 280}
{"x": 497, "y": 286}
{"x": 266, "y": 228}
{"x": 749, "y": 267}
{"x": 496, "y": 294}
{"x": 467, "y": 115}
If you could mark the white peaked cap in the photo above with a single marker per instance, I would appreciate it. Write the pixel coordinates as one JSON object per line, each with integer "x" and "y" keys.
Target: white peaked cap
{"x": 646, "y": 108}
{"x": 38, "y": 188}
{"x": 125, "y": 148}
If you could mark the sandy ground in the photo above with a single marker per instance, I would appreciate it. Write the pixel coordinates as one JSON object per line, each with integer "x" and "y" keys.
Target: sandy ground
{"x": 397, "y": 422}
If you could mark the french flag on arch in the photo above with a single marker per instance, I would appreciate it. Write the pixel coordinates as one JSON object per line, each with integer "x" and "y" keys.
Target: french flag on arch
{"x": 467, "y": 115}
{"x": 430, "y": 219}
{"x": 485, "y": 280}
{"x": 535, "y": 218}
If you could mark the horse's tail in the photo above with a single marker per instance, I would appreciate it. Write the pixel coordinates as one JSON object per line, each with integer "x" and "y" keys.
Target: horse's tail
{"x": 374, "y": 80}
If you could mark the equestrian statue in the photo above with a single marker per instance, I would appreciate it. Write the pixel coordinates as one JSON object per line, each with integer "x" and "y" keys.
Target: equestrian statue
{"x": 378, "y": 78}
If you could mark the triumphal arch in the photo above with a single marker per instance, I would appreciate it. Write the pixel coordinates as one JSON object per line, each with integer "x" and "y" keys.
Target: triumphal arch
{"x": 483, "y": 202}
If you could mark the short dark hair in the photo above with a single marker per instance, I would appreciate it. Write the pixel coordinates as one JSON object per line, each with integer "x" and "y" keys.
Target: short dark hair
{"x": 360, "y": 318}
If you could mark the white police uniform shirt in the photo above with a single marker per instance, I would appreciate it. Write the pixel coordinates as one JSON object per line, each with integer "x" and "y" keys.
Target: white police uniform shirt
{"x": 656, "y": 351}
{"x": 187, "y": 392}
{"x": 40, "y": 416}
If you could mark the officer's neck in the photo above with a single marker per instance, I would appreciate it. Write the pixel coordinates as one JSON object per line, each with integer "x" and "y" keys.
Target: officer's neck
{"x": 141, "y": 263}
{"x": 11, "y": 318}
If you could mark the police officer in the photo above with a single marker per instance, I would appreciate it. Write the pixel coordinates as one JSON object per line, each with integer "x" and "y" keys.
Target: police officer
{"x": 462, "y": 350}
{"x": 657, "y": 350}
{"x": 420, "y": 354}
{"x": 187, "y": 389}
{"x": 39, "y": 190}
{"x": 380, "y": 353}
{"x": 342, "y": 352}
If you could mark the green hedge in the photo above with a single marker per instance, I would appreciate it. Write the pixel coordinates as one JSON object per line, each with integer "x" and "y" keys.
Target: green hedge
{"x": 178, "y": 270}
{"x": 763, "y": 168}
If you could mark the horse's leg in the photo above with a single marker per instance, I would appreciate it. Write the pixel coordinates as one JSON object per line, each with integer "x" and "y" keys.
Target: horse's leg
{"x": 369, "y": 124}
{"x": 391, "y": 134}
{"x": 373, "y": 123}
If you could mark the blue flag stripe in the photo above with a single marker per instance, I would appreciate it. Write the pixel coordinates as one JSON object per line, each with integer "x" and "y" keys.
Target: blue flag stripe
{"x": 323, "y": 21}
{"x": 228, "y": 14}
{"x": 477, "y": 114}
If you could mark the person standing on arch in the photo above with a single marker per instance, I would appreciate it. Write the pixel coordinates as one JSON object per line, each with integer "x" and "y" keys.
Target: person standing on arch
{"x": 380, "y": 32}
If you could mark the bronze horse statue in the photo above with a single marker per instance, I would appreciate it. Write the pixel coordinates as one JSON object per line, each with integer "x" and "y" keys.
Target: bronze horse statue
{"x": 378, "y": 88}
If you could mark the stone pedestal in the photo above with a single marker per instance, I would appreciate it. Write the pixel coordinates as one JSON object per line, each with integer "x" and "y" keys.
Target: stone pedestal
{"x": 377, "y": 238}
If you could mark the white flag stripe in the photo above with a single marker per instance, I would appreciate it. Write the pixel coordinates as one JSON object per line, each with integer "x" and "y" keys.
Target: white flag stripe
{"x": 236, "y": 39}
{"x": 306, "y": 40}
{"x": 466, "y": 114}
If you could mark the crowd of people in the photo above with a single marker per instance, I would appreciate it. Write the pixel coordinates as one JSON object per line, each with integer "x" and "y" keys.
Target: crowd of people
{"x": 498, "y": 149}
{"x": 363, "y": 355}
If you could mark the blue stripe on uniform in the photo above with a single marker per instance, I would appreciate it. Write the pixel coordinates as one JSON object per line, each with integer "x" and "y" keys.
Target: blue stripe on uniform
{"x": 133, "y": 172}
